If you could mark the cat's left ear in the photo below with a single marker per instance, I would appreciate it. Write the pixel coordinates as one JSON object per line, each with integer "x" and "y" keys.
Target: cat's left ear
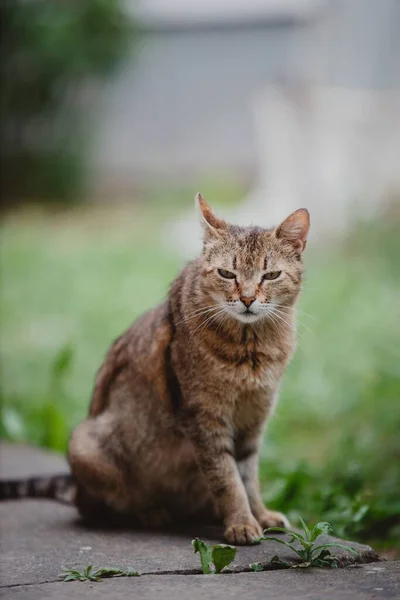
{"x": 211, "y": 222}
{"x": 294, "y": 229}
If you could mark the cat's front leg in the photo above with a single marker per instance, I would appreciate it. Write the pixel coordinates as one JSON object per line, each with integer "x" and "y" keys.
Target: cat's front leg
{"x": 248, "y": 464}
{"x": 214, "y": 451}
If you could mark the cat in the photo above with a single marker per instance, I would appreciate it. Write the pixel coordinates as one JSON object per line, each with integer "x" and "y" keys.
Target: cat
{"x": 181, "y": 401}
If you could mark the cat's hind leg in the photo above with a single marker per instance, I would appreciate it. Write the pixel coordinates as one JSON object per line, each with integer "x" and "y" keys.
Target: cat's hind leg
{"x": 101, "y": 482}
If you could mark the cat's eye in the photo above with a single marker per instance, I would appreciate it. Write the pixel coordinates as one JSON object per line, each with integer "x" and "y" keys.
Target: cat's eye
{"x": 226, "y": 274}
{"x": 272, "y": 275}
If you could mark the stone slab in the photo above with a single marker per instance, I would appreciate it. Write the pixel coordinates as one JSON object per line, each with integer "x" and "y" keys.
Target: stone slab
{"x": 38, "y": 537}
{"x": 365, "y": 582}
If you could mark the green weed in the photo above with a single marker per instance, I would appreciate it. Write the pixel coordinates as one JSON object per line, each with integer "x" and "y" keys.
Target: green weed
{"x": 306, "y": 546}
{"x": 90, "y": 573}
{"x": 214, "y": 559}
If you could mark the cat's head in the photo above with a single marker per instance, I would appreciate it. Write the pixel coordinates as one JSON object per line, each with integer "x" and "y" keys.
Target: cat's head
{"x": 252, "y": 272}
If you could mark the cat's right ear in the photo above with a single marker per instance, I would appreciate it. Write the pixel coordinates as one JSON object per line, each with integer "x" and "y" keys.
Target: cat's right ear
{"x": 209, "y": 220}
{"x": 211, "y": 223}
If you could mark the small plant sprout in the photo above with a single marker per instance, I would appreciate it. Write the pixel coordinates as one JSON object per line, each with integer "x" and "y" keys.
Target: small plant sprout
{"x": 311, "y": 553}
{"x": 90, "y": 573}
{"x": 214, "y": 559}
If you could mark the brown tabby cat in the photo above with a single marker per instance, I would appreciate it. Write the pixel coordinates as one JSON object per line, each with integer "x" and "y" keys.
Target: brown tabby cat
{"x": 181, "y": 401}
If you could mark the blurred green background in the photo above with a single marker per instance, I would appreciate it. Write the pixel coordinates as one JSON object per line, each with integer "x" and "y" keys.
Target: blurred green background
{"x": 75, "y": 275}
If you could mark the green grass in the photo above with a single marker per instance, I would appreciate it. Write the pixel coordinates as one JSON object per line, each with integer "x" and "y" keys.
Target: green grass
{"x": 306, "y": 544}
{"x": 71, "y": 282}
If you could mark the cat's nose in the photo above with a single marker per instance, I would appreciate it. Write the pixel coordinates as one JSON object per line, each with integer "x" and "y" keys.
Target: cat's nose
{"x": 247, "y": 300}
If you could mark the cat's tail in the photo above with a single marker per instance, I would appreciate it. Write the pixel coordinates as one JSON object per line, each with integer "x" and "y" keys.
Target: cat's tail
{"x": 61, "y": 488}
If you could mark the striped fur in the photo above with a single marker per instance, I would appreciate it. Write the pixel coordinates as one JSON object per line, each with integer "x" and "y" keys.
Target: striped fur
{"x": 54, "y": 487}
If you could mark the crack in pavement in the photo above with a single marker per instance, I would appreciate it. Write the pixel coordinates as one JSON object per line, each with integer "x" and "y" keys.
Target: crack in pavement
{"x": 368, "y": 558}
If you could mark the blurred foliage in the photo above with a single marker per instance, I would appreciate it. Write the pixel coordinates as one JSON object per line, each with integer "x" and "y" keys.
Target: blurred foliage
{"x": 73, "y": 282}
{"x": 52, "y": 53}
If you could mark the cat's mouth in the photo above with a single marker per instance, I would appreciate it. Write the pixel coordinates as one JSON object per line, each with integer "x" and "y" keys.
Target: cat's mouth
{"x": 249, "y": 315}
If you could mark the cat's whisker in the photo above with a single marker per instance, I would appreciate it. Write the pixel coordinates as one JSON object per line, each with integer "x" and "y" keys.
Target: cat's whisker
{"x": 275, "y": 322}
{"x": 281, "y": 312}
{"x": 207, "y": 320}
{"x": 198, "y": 313}
{"x": 201, "y": 308}
{"x": 287, "y": 323}
{"x": 296, "y": 309}
{"x": 302, "y": 312}
{"x": 223, "y": 312}
{"x": 283, "y": 322}
{"x": 217, "y": 316}
{"x": 203, "y": 325}
{"x": 223, "y": 320}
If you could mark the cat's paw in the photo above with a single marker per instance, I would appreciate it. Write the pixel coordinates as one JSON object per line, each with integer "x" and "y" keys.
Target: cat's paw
{"x": 270, "y": 518}
{"x": 243, "y": 532}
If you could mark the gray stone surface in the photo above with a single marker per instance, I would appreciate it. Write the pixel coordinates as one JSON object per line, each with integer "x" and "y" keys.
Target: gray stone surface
{"x": 376, "y": 580}
{"x": 39, "y": 537}
{"x": 19, "y": 460}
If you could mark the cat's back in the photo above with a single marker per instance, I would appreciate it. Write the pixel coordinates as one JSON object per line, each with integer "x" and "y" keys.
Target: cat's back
{"x": 136, "y": 358}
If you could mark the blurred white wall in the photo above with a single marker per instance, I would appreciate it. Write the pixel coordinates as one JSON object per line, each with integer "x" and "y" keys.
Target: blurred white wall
{"x": 333, "y": 150}
{"x": 328, "y": 136}
{"x": 182, "y": 104}
{"x": 298, "y": 96}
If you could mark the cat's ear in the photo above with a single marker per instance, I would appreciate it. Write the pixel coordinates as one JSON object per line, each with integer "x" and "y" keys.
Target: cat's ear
{"x": 210, "y": 221}
{"x": 294, "y": 229}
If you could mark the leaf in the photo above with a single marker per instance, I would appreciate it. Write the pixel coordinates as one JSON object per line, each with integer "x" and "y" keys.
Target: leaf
{"x": 56, "y": 428}
{"x": 294, "y": 534}
{"x": 324, "y": 559}
{"x": 62, "y": 361}
{"x": 88, "y": 570}
{"x": 13, "y": 424}
{"x": 257, "y": 566}
{"x": 281, "y": 564}
{"x": 319, "y": 529}
{"x": 222, "y": 556}
{"x": 69, "y": 577}
{"x": 285, "y": 543}
{"x": 89, "y": 573}
{"x": 257, "y": 541}
{"x": 306, "y": 545}
{"x": 336, "y": 545}
{"x": 205, "y": 551}
{"x": 324, "y": 563}
{"x": 323, "y": 554}
{"x": 360, "y": 514}
{"x": 307, "y": 532}
{"x": 108, "y": 572}
{"x": 303, "y": 565}
{"x": 305, "y": 554}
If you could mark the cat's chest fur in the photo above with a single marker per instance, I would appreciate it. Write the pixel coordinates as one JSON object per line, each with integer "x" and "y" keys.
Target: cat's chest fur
{"x": 250, "y": 411}
{"x": 253, "y": 366}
